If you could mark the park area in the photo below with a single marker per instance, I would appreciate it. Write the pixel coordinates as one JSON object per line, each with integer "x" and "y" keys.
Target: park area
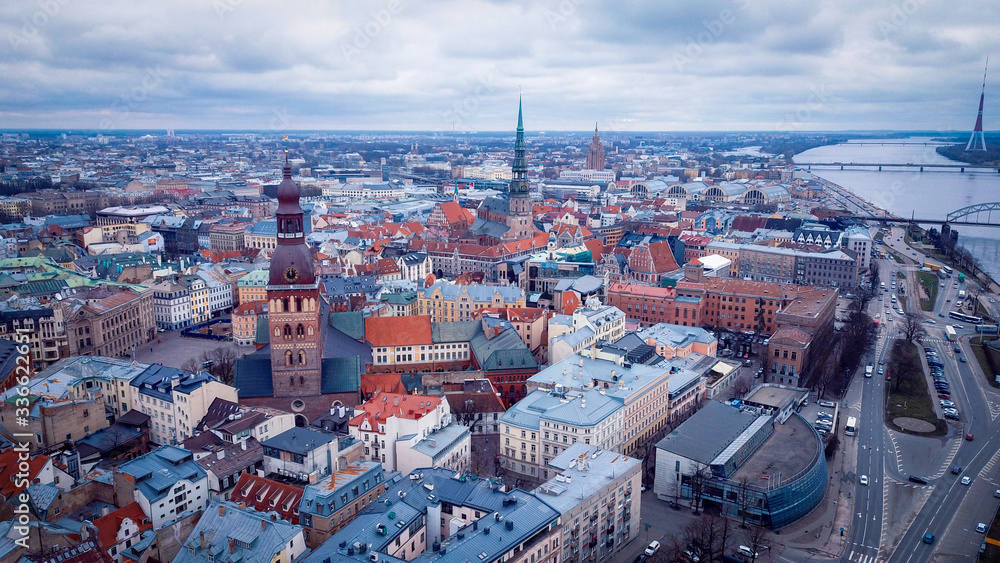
{"x": 928, "y": 290}
{"x": 988, "y": 356}
{"x": 908, "y": 394}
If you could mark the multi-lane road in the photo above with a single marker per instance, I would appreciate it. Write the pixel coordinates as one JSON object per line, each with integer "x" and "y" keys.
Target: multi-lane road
{"x": 943, "y": 507}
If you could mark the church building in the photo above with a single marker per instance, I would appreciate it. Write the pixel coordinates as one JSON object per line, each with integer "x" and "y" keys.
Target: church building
{"x": 307, "y": 364}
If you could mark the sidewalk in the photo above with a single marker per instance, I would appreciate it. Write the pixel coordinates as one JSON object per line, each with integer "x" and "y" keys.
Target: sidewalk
{"x": 819, "y": 532}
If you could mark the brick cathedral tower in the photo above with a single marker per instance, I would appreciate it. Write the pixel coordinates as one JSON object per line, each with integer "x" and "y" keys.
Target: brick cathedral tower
{"x": 519, "y": 218}
{"x": 294, "y": 303}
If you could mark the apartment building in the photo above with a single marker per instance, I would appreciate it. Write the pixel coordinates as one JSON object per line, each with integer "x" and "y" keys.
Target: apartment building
{"x": 388, "y": 423}
{"x": 166, "y": 482}
{"x": 642, "y": 391}
{"x": 546, "y": 422}
{"x": 108, "y": 322}
{"x": 597, "y": 494}
{"x": 333, "y": 502}
{"x": 447, "y": 301}
{"x": 176, "y": 400}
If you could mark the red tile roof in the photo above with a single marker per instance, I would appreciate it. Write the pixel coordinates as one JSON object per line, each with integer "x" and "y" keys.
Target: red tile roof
{"x": 109, "y": 525}
{"x": 386, "y": 405}
{"x": 398, "y": 331}
{"x": 264, "y": 495}
{"x": 9, "y": 479}
{"x": 372, "y": 383}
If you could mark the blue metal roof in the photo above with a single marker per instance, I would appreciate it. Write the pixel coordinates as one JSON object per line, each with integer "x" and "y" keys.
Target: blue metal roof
{"x": 156, "y": 472}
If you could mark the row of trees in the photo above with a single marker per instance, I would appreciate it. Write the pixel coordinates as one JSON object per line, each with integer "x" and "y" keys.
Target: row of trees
{"x": 713, "y": 537}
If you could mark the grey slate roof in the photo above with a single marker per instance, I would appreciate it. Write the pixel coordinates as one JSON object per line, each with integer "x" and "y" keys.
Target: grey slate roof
{"x": 256, "y": 538}
{"x": 708, "y": 432}
{"x": 504, "y": 351}
{"x": 407, "y": 502}
{"x": 455, "y": 331}
{"x": 300, "y": 440}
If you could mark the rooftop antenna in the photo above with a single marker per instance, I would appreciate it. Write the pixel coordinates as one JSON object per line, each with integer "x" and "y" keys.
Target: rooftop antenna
{"x": 972, "y": 144}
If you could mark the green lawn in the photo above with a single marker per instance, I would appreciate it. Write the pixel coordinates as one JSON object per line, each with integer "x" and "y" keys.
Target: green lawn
{"x": 901, "y": 275}
{"x": 912, "y": 398}
{"x": 981, "y": 351}
{"x": 929, "y": 281}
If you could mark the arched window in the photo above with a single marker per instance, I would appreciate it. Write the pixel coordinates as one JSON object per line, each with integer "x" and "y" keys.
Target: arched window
{"x": 302, "y": 380}
{"x": 288, "y": 357}
{"x": 302, "y": 357}
{"x": 277, "y": 331}
{"x": 284, "y": 305}
{"x": 291, "y": 380}
{"x": 310, "y": 331}
{"x": 298, "y": 304}
{"x": 288, "y": 331}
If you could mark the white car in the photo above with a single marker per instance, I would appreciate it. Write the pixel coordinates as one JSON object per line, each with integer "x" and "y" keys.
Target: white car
{"x": 652, "y": 548}
{"x": 864, "y": 479}
{"x": 966, "y": 480}
{"x": 981, "y": 528}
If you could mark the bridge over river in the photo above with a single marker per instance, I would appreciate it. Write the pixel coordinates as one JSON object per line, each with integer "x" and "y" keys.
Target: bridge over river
{"x": 894, "y": 165}
{"x": 971, "y": 215}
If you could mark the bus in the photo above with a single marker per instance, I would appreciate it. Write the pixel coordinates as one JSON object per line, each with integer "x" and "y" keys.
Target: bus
{"x": 947, "y": 269}
{"x": 971, "y": 319}
{"x": 961, "y": 277}
{"x": 987, "y": 329}
{"x": 961, "y": 294}
{"x": 949, "y": 333}
{"x": 852, "y": 426}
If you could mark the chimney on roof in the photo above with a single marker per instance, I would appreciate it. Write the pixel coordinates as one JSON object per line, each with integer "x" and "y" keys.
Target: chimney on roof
{"x": 232, "y": 545}
{"x": 222, "y": 510}
{"x": 263, "y": 525}
{"x": 221, "y": 454}
{"x": 203, "y": 540}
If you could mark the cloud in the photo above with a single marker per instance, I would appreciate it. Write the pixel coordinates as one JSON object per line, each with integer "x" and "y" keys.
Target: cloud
{"x": 409, "y": 64}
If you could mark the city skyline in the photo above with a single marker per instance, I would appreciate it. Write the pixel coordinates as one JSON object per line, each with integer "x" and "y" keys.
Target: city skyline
{"x": 458, "y": 66}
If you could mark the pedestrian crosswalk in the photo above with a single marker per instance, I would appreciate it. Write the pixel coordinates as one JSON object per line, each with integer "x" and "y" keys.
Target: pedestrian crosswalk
{"x": 985, "y": 471}
{"x": 862, "y": 557}
{"x": 994, "y": 409}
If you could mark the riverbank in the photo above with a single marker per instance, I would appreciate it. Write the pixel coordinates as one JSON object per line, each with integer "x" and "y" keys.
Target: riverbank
{"x": 856, "y": 204}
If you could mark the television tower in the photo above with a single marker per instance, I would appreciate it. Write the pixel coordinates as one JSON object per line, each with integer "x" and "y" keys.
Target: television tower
{"x": 981, "y": 145}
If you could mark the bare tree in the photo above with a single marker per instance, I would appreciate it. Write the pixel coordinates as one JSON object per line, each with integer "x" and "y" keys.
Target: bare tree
{"x": 699, "y": 478}
{"x": 221, "y": 362}
{"x": 756, "y": 539}
{"x": 745, "y": 498}
{"x": 191, "y": 365}
{"x": 913, "y": 328}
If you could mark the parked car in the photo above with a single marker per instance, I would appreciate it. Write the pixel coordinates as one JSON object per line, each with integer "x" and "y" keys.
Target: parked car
{"x": 827, "y": 404}
{"x": 981, "y": 527}
{"x": 652, "y": 548}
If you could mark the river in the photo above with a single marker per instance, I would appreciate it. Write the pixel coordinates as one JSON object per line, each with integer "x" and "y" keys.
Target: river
{"x": 931, "y": 194}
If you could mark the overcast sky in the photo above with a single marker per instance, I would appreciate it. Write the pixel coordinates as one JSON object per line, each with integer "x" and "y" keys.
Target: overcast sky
{"x": 458, "y": 64}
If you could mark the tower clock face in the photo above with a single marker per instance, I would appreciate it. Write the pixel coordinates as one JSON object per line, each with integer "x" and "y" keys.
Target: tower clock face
{"x": 291, "y": 275}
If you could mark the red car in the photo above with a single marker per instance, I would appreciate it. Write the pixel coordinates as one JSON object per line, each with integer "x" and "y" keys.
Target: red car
{"x": 944, "y": 396}
{"x": 968, "y": 436}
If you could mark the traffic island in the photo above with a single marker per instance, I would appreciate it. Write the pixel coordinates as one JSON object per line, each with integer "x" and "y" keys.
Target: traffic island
{"x": 928, "y": 290}
{"x": 908, "y": 396}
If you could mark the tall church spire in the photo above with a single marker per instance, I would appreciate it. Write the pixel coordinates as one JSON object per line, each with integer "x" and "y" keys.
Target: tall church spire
{"x": 519, "y": 168}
